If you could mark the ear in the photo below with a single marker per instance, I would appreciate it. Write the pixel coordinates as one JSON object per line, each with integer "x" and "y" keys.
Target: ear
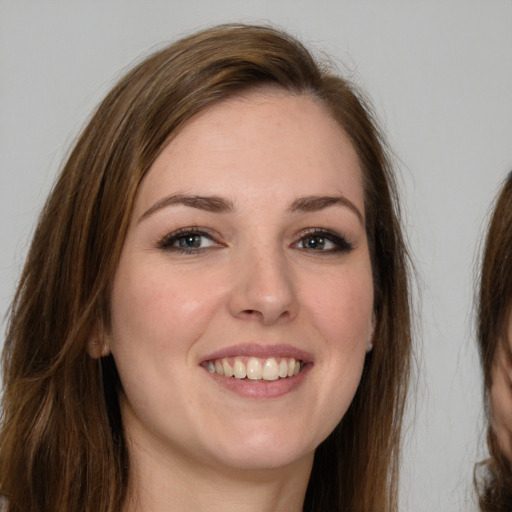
{"x": 369, "y": 347}
{"x": 98, "y": 345}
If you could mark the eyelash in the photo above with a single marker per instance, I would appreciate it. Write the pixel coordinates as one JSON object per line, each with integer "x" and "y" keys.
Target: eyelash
{"x": 339, "y": 242}
{"x": 167, "y": 242}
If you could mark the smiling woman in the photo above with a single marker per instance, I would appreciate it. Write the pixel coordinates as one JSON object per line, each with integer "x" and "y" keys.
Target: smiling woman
{"x": 214, "y": 313}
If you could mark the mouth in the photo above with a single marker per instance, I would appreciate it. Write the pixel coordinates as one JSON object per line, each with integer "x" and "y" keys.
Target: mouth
{"x": 259, "y": 371}
{"x": 255, "y": 368}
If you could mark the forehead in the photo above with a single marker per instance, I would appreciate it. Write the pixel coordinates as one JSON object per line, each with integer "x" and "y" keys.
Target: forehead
{"x": 266, "y": 138}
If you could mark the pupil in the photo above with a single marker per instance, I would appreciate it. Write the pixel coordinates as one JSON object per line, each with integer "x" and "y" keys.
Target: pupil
{"x": 315, "y": 243}
{"x": 190, "y": 241}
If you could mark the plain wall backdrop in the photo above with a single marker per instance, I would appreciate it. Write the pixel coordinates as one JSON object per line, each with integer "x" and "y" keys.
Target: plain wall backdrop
{"x": 440, "y": 77}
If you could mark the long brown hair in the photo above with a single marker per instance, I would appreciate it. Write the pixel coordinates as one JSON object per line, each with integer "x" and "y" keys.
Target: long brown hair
{"x": 494, "y": 476}
{"x": 61, "y": 443}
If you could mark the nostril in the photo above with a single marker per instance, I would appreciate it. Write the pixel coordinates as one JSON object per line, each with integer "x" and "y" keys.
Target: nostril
{"x": 267, "y": 318}
{"x": 251, "y": 312}
{"x": 263, "y": 299}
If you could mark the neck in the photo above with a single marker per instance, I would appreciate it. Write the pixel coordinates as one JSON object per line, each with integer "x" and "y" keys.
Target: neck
{"x": 159, "y": 484}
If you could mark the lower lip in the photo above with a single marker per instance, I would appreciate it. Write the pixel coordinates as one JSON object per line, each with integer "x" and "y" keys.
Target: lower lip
{"x": 261, "y": 388}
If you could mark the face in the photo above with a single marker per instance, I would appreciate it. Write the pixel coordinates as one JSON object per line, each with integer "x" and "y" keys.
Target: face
{"x": 501, "y": 396}
{"x": 242, "y": 303}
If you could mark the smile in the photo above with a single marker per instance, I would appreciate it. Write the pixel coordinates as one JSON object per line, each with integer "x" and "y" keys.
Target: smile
{"x": 255, "y": 368}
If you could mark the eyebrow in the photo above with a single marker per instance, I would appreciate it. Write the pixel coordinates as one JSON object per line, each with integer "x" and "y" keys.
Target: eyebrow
{"x": 317, "y": 203}
{"x": 216, "y": 204}
{"x": 212, "y": 204}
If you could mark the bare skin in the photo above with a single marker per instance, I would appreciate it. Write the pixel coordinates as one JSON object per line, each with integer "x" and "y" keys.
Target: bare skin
{"x": 501, "y": 395}
{"x": 159, "y": 481}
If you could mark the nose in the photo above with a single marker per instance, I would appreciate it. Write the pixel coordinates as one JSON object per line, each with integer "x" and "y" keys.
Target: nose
{"x": 264, "y": 287}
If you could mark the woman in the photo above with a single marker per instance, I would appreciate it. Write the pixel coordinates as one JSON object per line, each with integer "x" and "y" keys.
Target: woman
{"x": 214, "y": 312}
{"x": 495, "y": 342}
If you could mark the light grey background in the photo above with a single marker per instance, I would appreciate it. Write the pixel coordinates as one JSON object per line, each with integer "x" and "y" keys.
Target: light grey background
{"x": 440, "y": 76}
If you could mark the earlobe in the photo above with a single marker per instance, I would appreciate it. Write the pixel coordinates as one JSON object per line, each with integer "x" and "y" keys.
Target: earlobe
{"x": 369, "y": 347}
{"x": 98, "y": 347}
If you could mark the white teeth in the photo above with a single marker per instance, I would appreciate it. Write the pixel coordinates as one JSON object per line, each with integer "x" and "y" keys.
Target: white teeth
{"x": 228, "y": 371}
{"x": 218, "y": 368}
{"x": 283, "y": 369}
{"x": 270, "y": 369}
{"x": 291, "y": 367}
{"x": 255, "y": 368}
{"x": 239, "y": 369}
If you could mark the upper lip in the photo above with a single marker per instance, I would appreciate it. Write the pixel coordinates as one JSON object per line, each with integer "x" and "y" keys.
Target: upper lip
{"x": 262, "y": 351}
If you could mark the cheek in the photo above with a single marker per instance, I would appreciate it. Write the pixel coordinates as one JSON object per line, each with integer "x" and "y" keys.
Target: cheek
{"x": 156, "y": 312}
{"x": 157, "y": 317}
{"x": 159, "y": 298}
{"x": 501, "y": 389}
{"x": 343, "y": 315}
{"x": 501, "y": 399}
{"x": 343, "y": 309}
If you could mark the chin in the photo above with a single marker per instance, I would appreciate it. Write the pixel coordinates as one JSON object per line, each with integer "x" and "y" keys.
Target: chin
{"x": 264, "y": 459}
{"x": 265, "y": 449}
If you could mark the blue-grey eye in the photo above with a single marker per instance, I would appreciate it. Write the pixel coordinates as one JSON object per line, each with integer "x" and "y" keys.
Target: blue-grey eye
{"x": 326, "y": 241}
{"x": 190, "y": 241}
{"x": 187, "y": 241}
{"x": 317, "y": 243}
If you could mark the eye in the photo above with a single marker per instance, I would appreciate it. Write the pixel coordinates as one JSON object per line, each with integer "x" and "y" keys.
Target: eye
{"x": 322, "y": 240}
{"x": 188, "y": 241}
